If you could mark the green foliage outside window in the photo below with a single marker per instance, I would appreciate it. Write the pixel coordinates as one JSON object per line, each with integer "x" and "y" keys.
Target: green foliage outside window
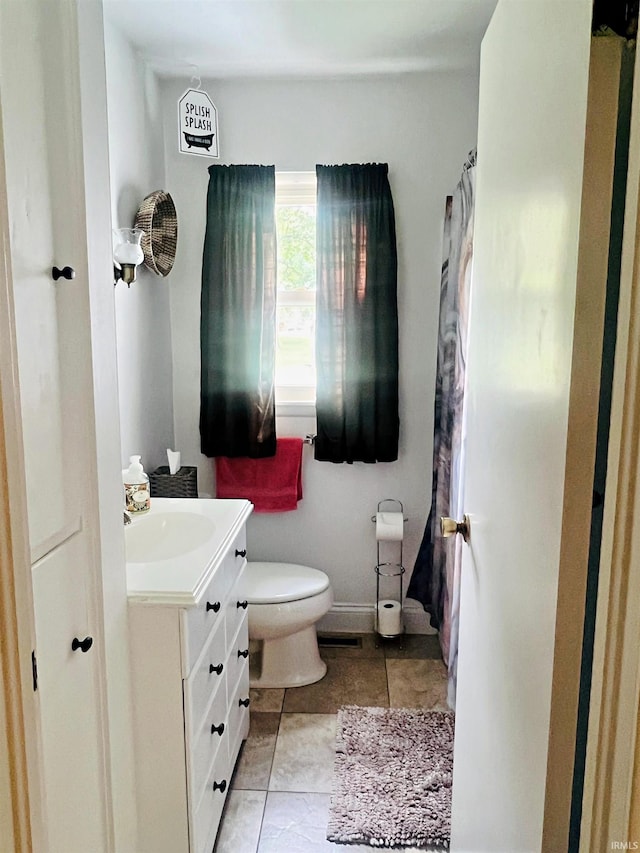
{"x": 296, "y": 247}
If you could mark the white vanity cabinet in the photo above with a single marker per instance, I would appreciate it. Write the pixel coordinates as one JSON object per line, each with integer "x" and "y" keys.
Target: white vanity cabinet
{"x": 190, "y": 666}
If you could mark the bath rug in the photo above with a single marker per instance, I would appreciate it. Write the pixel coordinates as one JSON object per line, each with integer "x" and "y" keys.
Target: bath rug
{"x": 392, "y": 778}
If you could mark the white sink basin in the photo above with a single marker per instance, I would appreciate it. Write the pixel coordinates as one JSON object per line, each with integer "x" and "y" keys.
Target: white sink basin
{"x": 174, "y": 549}
{"x": 166, "y": 535}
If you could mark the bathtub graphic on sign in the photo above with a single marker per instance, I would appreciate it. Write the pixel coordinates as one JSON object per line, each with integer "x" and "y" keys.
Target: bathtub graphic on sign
{"x": 198, "y": 124}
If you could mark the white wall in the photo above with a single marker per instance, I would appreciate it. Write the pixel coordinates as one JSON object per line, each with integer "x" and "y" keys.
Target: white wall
{"x": 423, "y": 126}
{"x": 142, "y": 311}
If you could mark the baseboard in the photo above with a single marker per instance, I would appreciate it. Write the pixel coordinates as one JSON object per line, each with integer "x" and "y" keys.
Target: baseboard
{"x": 416, "y": 620}
{"x": 352, "y": 618}
{"x": 348, "y": 617}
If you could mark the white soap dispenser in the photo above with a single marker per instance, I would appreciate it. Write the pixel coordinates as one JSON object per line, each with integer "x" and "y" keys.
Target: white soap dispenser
{"x": 136, "y": 487}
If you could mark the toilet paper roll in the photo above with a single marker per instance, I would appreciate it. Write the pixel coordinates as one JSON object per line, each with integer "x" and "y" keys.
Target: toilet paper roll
{"x": 389, "y": 617}
{"x": 389, "y": 526}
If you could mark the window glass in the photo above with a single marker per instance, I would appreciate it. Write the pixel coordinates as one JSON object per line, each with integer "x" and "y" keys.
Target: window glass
{"x": 295, "y": 312}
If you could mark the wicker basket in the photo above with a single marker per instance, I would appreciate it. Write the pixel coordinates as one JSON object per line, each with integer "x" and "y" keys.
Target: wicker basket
{"x": 157, "y": 218}
{"x": 182, "y": 484}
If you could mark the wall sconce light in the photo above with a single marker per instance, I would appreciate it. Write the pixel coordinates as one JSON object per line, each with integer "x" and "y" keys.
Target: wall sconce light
{"x": 127, "y": 254}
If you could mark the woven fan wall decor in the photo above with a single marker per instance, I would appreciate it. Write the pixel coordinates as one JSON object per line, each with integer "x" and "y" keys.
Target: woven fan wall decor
{"x": 156, "y": 216}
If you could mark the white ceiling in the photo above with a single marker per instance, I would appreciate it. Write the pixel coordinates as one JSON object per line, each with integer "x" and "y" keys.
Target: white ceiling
{"x": 248, "y": 38}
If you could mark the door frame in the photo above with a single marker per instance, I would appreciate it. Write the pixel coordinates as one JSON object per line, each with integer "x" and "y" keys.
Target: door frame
{"x": 21, "y": 796}
{"x": 595, "y": 243}
{"x": 612, "y": 774}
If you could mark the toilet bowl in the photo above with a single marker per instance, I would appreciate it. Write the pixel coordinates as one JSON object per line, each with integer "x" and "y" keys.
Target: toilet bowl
{"x": 285, "y": 602}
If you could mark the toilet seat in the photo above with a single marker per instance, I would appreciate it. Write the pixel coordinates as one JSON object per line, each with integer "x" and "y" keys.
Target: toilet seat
{"x": 277, "y": 583}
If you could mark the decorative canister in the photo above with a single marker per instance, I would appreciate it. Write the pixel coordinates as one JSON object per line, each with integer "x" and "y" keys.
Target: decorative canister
{"x": 137, "y": 496}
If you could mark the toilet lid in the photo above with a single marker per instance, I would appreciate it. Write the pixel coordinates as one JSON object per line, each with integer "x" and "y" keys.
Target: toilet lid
{"x": 275, "y": 583}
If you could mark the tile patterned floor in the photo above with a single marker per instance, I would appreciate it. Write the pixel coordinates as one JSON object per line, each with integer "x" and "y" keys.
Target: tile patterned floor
{"x": 279, "y": 798}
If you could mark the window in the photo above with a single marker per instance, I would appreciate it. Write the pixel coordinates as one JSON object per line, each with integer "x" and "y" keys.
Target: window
{"x": 296, "y": 300}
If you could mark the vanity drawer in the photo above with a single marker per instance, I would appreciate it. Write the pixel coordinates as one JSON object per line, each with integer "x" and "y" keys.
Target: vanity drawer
{"x": 237, "y": 660}
{"x": 238, "y": 715}
{"x": 237, "y": 605}
{"x": 198, "y": 622}
{"x": 209, "y": 811}
{"x": 207, "y": 677}
{"x": 239, "y": 546}
{"x": 209, "y": 742}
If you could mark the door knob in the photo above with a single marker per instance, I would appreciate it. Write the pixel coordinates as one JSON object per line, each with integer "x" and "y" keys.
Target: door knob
{"x": 449, "y": 527}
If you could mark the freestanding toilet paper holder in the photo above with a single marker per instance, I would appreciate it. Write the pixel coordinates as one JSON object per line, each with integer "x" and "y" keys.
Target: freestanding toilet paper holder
{"x": 389, "y": 569}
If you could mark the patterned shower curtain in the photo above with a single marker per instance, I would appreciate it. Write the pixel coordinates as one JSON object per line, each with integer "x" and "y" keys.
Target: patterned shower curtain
{"x": 435, "y": 581}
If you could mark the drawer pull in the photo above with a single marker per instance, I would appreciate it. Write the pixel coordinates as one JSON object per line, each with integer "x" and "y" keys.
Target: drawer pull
{"x": 217, "y": 730}
{"x": 217, "y": 669}
{"x": 242, "y": 553}
{"x": 243, "y": 653}
{"x": 242, "y": 604}
{"x": 220, "y": 786}
{"x": 83, "y": 645}
{"x": 243, "y": 703}
{"x": 66, "y": 272}
{"x": 215, "y": 606}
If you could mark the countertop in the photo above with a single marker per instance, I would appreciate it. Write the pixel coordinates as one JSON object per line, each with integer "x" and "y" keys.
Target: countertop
{"x": 181, "y": 580}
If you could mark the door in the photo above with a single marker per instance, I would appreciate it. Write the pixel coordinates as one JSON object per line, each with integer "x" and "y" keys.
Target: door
{"x": 43, "y": 150}
{"x": 533, "y": 380}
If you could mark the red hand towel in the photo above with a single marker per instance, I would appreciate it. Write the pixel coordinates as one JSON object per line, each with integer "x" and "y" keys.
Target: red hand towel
{"x": 272, "y": 485}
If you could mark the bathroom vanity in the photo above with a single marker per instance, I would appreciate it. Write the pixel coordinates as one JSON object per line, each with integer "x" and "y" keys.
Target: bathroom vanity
{"x": 190, "y": 665}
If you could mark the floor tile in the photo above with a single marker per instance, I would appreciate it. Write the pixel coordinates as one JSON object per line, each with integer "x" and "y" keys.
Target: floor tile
{"x": 417, "y": 684}
{"x": 305, "y": 749}
{"x": 368, "y": 648}
{"x": 266, "y": 699}
{"x": 254, "y": 764}
{"x": 414, "y": 646}
{"x": 241, "y": 822}
{"x": 294, "y": 753}
{"x": 347, "y": 682}
{"x": 297, "y": 823}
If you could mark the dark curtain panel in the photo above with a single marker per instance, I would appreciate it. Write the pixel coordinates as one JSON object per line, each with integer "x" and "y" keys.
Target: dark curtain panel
{"x": 357, "y": 316}
{"x": 237, "y": 322}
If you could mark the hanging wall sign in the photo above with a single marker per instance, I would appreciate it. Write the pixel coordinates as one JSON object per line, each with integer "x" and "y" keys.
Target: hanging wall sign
{"x": 198, "y": 124}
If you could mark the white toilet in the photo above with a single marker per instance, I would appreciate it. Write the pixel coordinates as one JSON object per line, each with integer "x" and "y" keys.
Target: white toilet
{"x": 285, "y": 602}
